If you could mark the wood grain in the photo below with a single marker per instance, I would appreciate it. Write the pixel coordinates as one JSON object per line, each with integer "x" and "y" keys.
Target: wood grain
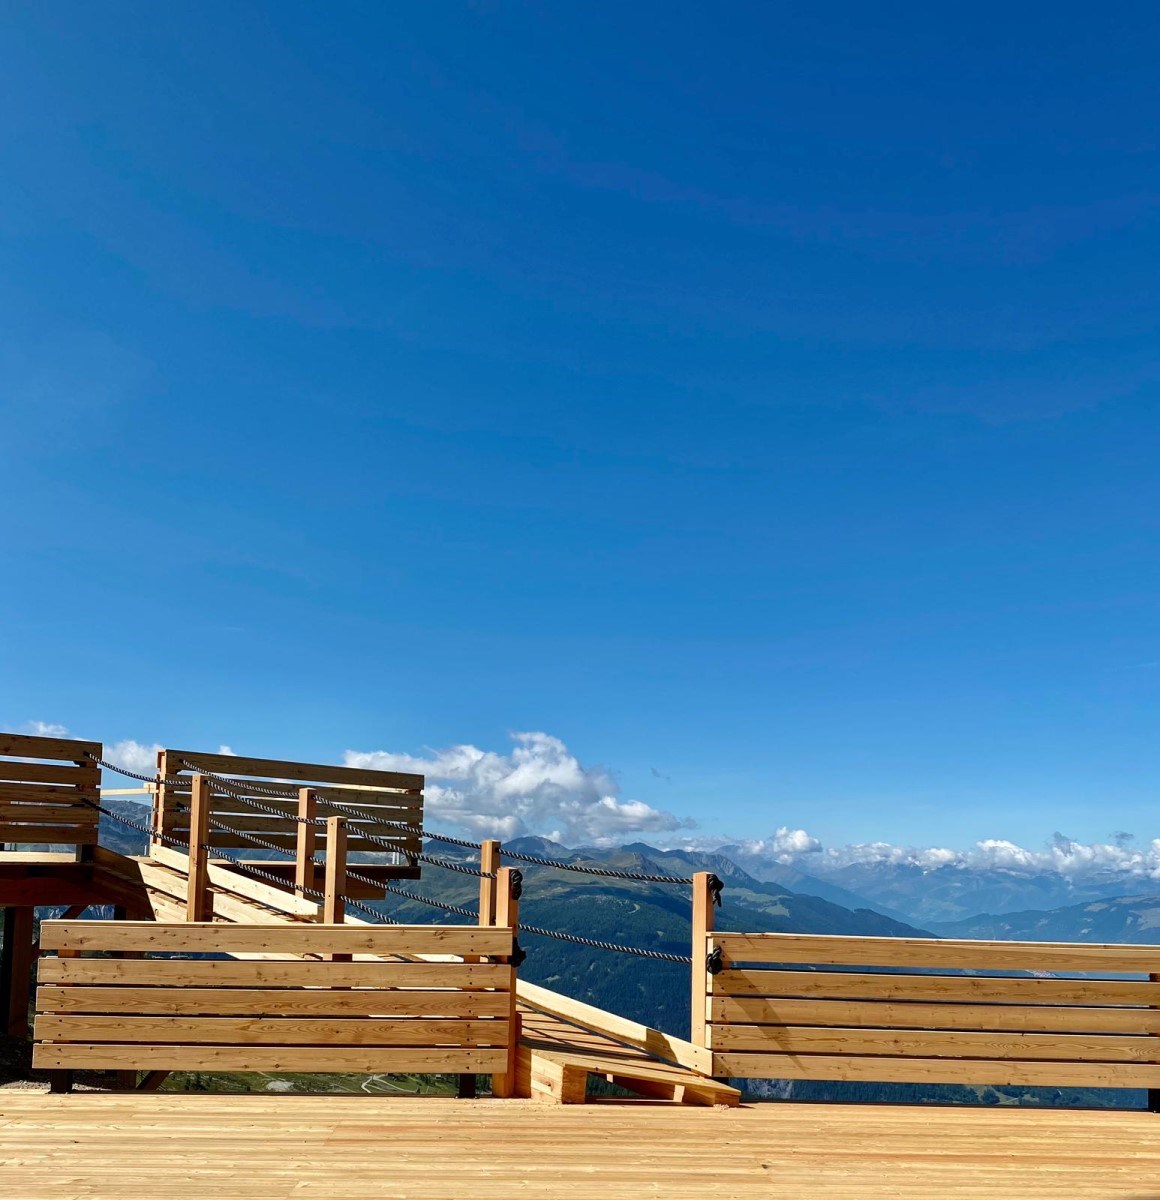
{"x": 824, "y": 949}
{"x": 1026, "y": 1018}
{"x": 304, "y": 938}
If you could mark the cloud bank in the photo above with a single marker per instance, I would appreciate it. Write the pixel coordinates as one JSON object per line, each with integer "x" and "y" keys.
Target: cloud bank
{"x": 539, "y": 788}
{"x": 1061, "y": 855}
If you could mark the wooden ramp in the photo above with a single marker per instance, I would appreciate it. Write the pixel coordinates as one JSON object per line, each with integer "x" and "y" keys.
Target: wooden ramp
{"x": 557, "y": 1060}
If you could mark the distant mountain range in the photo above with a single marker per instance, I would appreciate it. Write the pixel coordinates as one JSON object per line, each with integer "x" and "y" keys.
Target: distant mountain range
{"x": 648, "y": 915}
{"x": 926, "y": 894}
{"x": 1134, "y": 919}
{"x": 656, "y": 916}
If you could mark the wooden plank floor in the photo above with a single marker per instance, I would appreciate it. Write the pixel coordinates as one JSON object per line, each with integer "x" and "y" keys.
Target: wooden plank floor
{"x": 198, "y": 1147}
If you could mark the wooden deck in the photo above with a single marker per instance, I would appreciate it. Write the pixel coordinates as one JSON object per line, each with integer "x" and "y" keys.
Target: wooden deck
{"x": 108, "y": 1147}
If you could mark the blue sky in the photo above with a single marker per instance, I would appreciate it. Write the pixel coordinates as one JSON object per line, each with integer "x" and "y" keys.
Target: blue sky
{"x": 763, "y": 400}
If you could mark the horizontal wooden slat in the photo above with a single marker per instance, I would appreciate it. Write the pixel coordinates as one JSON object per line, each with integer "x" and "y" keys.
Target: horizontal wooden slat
{"x": 237, "y": 810}
{"x": 21, "y": 745}
{"x": 272, "y": 1031}
{"x": 246, "y": 973}
{"x": 98, "y": 1057}
{"x": 936, "y": 1070}
{"x": 235, "y": 841}
{"x": 934, "y": 953}
{"x": 375, "y": 802}
{"x": 846, "y": 985}
{"x": 306, "y": 1002}
{"x": 44, "y": 813}
{"x": 80, "y": 834}
{"x": 1026, "y": 1018}
{"x": 61, "y": 773}
{"x": 927, "y": 1043}
{"x": 230, "y": 766}
{"x": 46, "y": 793}
{"x": 305, "y": 938}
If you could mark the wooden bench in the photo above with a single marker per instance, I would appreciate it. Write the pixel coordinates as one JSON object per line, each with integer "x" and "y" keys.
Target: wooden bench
{"x": 291, "y": 998}
{"x": 918, "y": 1010}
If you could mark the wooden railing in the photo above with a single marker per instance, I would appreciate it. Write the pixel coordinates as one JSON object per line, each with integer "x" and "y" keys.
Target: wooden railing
{"x": 383, "y": 802}
{"x": 799, "y": 1006}
{"x": 48, "y": 801}
{"x": 290, "y": 998}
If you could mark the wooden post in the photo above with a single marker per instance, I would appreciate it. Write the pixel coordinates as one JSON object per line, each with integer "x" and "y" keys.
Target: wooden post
{"x": 1154, "y": 1093}
{"x": 307, "y": 839}
{"x": 333, "y": 905}
{"x": 16, "y": 971}
{"x": 161, "y": 802}
{"x": 197, "y": 903}
{"x": 126, "y": 1080}
{"x": 702, "y": 927}
{"x": 508, "y": 916}
{"x": 489, "y": 860}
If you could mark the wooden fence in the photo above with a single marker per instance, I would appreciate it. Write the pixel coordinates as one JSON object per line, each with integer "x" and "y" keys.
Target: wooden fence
{"x": 44, "y": 801}
{"x": 799, "y": 1006}
{"x": 290, "y": 998}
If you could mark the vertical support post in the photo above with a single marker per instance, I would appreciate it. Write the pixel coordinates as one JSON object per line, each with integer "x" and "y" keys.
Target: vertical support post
{"x": 16, "y": 971}
{"x": 162, "y": 801}
{"x": 702, "y": 927}
{"x": 333, "y": 905}
{"x": 89, "y": 785}
{"x": 126, "y": 1080}
{"x": 1154, "y": 1093}
{"x": 489, "y": 860}
{"x": 508, "y": 915}
{"x": 197, "y": 902}
{"x": 307, "y": 839}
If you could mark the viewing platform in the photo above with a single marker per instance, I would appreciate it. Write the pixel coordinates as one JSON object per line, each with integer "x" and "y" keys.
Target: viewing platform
{"x": 214, "y": 962}
{"x": 211, "y": 1147}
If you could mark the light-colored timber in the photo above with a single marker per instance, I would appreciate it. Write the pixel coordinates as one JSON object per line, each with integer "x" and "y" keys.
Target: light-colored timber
{"x": 75, "y": 1031}
{"x": 384, "y": 801}
{"x": 905, "y": 1024}
{"x": 932, "y": 953}
{"x": 48, "y": 801}
{"x": 263, "y": 1147}
{"x": 559, "y": 1060}
{"x": 296, "y": 990}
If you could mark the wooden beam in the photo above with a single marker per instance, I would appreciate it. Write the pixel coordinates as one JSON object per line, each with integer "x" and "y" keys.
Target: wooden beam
{"x": 16, "y": 970}
{"x": 1154, "y": 1093}
{"x": 307, "y": 840}
{"x": 620, "y": 1029}
{"x": 699, "y": 975}
{"x": 506, "y": 1083}
{"x": 333, "y": 903}
{"x": 284, "y": 941}
{"x": 934, "y": 953}
{"x": 103, "y": 1056}
{"x": 489, "y": 862}
{"x": 197, "y": 904}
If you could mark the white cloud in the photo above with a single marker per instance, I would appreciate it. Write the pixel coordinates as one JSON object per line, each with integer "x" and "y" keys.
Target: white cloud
{"x": 133, "y": 756}
{"x": 540, "y": 788}
{"x": 1062, "y": 856}
{"x": 46, "y": 729}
